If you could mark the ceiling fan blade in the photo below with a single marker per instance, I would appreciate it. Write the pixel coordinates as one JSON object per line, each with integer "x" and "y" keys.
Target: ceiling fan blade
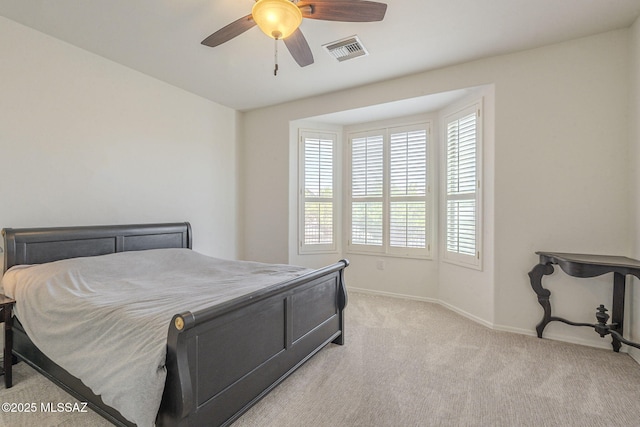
{"x": 299, "y": 48}
{"x": 343, "y": 10}
{"x": 232, "y": 30}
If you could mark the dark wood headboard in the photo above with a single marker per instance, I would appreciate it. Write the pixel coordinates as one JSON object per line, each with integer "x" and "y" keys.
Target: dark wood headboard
{"x": 40, "y": 245}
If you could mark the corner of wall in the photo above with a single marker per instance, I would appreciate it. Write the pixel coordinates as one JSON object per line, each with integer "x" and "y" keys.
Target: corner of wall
{"x": 634, "y": 158}
{"x": 240, "y": 185}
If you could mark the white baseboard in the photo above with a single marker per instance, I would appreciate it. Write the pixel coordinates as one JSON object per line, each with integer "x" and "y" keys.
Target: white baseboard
{"x": 466, "y": 314}
{"x": 390, "y": 294}
{"x": 604, "y": 344}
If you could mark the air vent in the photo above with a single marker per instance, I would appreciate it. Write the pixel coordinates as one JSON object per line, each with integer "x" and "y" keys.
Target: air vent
{"x": 345, "y": 49}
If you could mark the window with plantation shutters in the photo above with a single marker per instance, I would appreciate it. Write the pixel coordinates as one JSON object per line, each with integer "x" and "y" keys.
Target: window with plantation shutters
{"x": 390, "y": 191}
{"x": 318, "y": 204}
{"x": 462, "y": 184}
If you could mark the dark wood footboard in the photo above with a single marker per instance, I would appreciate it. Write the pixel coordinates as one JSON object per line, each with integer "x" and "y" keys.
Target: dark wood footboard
{"x": 223, "y": 360}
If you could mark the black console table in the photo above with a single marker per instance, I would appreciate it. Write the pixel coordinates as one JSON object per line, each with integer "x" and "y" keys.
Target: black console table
{"x": 583, "y": 265}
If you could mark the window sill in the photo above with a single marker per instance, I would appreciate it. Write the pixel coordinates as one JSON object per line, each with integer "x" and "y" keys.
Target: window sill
{"x": 426, "y": 257}
{"x": 473, "y": 266}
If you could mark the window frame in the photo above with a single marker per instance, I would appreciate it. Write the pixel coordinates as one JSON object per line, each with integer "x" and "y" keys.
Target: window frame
{"x": 303, "y": 247}
{"x": 386, "y": 249}
{"x": 457, "y": 258}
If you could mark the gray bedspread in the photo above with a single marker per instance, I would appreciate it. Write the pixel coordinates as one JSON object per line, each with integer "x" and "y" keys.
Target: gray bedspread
{"x": 105, "y": 319}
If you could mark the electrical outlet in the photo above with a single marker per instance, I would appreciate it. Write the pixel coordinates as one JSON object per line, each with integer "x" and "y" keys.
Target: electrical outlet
{"x": 380, "y": 264}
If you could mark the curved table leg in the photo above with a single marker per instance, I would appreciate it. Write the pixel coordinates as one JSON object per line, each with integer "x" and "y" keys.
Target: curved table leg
{"x": 535, "y": 276}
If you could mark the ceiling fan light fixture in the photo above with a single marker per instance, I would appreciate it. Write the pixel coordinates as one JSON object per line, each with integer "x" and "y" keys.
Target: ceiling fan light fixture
{"x": 276, "y": 18}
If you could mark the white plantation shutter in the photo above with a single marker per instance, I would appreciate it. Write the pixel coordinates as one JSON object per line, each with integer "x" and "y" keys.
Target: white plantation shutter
{"x": 367, "y": 176}
{"x": 366, "y": 166}
{"x": 366, "y": 223}
{"x": 462, "y": 185}
{"x": 461, "y": 227}
{"x": 389, "y": 191}
{"x": 407, "y": 227}
{"x": 318, "y": 224}
{"x": 318, "y": 192}
{"x": 408, "y": 189}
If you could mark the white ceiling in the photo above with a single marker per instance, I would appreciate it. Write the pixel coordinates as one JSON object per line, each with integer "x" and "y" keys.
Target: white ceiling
{"x": 162, "y": 38}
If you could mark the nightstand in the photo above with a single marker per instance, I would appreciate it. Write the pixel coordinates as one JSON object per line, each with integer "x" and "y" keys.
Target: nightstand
{"x": 6, "y": 308}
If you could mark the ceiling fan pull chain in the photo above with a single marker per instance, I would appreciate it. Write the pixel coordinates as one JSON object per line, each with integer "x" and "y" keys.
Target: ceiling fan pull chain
{"x": 275, "y": 69}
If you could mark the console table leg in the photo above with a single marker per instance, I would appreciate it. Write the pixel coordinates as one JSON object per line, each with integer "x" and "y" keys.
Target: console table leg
{"x": 535, "y": 277}
{"x": 617, "y": 310}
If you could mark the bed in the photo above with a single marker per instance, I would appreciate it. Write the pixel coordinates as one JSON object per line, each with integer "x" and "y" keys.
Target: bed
{"x": 220, "y": 359}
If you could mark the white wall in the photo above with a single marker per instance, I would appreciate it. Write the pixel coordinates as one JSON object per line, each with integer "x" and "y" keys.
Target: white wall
{"x": 634, "y": 164}
{"x": 560, "y": 173}
{"x": 86, "y": 141}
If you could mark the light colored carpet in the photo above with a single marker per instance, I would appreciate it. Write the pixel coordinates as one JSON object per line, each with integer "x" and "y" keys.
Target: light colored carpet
{"x": 409, "y": 363}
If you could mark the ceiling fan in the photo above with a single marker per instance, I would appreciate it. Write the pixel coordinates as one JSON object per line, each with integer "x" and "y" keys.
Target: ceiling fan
{"x": 280, "y": 20}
